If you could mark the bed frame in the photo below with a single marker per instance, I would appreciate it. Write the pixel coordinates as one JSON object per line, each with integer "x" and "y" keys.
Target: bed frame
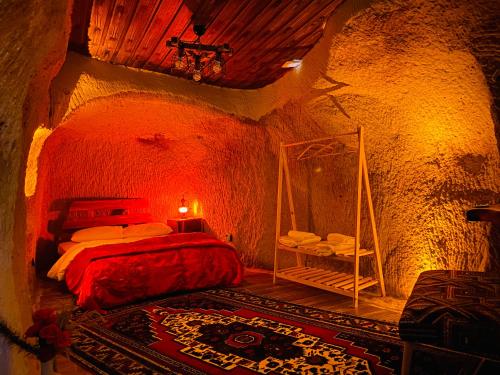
{"x": 67, "y": 216}
{"x": 93, "y": 213}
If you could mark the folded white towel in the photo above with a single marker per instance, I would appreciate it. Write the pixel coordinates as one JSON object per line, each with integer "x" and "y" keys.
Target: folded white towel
{"x": 300, "y": 236}
{"x": 325, "y": 248}
{"x": 338, "y": 246}
{"x": 322, "y": 250}
{"x": 309, "y": 240}
{"x": 344, "y": 251}
{"x": 291, "y": 242}
{"x": 340, "y": 238}
{"x": 319, "y": 248}
{"x": 288, "y": 241}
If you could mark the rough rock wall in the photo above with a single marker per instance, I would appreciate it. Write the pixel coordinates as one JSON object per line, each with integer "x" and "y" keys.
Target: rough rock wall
{"x": 148, "y": 146}
{"x": 483, "y": 39}
{"x": 33, "y": 38}
{"x": 403, "y": 69}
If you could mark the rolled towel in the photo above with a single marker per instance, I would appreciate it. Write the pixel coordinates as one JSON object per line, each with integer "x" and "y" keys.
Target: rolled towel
{"x": 319, "y": 248}
{"x": 344, "y": 251}
{"x": 322, "y": 250}
{"x": 288, "y": 241}
{"x": 340, "y": 238}
{"x": 340, "y": 248}
{"x": 291, "y": 242}
{"x": 299, "y": 236}
{"x": 336, "y": 246}
{"x": 309, "y": 240}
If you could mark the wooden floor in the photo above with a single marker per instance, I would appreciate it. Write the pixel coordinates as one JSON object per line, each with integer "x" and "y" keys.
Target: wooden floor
{"x": 53, "y": 294}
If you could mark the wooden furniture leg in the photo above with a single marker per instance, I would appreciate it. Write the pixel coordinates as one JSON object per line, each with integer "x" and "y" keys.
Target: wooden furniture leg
{"x": 278, "y": 212}
{"x": 300, "y": 260}
{"x": 358, "y": 219}
{"x": 407, "y": 354}
{"x": 380, "y": 274}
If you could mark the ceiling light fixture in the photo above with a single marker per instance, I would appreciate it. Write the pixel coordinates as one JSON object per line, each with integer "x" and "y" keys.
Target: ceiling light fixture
{"x": 295, "y": 63}
{"x": 197, "y": 59}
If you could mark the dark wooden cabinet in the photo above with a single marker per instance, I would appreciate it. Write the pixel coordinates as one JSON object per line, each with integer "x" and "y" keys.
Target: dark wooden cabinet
{"x": 186, "y": 225}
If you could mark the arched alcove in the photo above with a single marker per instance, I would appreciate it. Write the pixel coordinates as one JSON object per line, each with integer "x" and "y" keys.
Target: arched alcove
{"x": 146, "y": 146}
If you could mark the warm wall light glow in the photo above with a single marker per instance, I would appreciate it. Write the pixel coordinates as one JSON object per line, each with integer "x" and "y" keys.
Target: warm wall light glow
{"x": 39, "y": 138}
{"x": 439, "y": 131}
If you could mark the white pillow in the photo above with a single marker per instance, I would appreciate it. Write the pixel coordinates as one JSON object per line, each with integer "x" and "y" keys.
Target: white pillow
{"x": 98, "y": 233}
{"x": 147, "y": 230}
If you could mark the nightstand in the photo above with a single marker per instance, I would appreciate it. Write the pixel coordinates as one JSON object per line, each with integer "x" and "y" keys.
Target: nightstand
{"x": 186, "y": 225}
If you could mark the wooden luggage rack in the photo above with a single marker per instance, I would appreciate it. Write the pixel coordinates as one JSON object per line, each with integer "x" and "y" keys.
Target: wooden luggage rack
{"x": 348, "y": 284}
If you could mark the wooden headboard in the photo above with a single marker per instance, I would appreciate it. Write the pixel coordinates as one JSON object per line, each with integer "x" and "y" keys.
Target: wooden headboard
{"x": 93, "y": 213}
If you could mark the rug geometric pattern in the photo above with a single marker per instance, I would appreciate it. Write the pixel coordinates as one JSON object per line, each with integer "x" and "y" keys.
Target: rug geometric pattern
{"x": 222, "y": 331}
{"x": 257, "y": 344}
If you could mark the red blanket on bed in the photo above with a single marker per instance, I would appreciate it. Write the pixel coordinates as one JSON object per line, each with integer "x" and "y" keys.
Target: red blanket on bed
{"x": 111, "y": 275}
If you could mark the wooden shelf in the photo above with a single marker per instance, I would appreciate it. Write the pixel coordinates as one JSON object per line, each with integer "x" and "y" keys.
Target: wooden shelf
{"x": 338, "y": 282}
{"x": 346, "y": 254}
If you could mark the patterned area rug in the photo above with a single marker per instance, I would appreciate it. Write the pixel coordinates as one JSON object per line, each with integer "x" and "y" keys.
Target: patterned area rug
{"x": 222, "y": 331}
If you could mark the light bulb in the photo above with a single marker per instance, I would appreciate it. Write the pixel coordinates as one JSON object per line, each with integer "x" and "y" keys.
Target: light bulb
{"x": 183, "y": 209}
{"x": 180, "y": 64}
{"x": 295, "y": 63}
{"x": 197, "y": 75}
{"x": 217, "y": 67}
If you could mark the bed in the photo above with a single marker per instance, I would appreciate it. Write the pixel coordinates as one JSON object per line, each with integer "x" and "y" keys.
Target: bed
{"x": 107, "y": 272}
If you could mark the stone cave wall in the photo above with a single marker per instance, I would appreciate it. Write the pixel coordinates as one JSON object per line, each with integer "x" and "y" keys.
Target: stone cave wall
{"x": 407, "y": 72}
{"x": 403, "y": 69}
{"x": 33, "y": 39}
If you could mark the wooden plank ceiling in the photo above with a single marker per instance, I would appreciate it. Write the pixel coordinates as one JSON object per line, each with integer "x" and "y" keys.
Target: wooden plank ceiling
{"x": 262, "y": 33}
